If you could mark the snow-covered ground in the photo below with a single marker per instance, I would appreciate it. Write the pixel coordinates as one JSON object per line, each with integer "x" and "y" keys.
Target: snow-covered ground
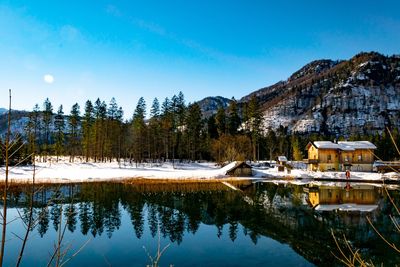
{"x": 66, "y": 172}
{"x": 305, "y": 174}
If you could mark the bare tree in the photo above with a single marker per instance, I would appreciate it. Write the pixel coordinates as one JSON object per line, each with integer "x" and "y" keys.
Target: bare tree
{"x": 4, "y": 215}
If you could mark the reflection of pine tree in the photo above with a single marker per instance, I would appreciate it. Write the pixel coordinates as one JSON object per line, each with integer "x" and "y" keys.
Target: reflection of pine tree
{"x": 55, "y": 213}
{"x": 112, "y": 219}
{"x": 233, "y": 228}
{"x": 165, "y": 215}
{"x": 70, "y": 213}
{"x": 152, "y": 219}
{"x": 43, "y": 222}
{"x": 219, "y": 230}
{"x": 254, "y": 237}
{"x": 136, "y": 212}
{"x": 193, "y": 209}
{"x": 85, "y": 217}
{"x": 179, "y": 226}
{"x": 25, "y": 215}
{"x": 98, "y": 215}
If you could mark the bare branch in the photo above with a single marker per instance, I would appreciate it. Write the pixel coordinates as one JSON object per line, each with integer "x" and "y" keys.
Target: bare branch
{"x": 77, "y": 252}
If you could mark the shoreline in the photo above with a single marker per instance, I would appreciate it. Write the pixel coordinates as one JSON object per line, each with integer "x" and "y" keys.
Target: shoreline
{"x": 191, "y": 172}
{"x": 135, "y": 180}
{"x": 188, "y": 180}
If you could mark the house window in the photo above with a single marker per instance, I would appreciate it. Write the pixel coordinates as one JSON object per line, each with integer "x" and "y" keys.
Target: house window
{"x": 329, "y": 157}
{"x": 360, "y": 157}
{"x": 346, "y": 158}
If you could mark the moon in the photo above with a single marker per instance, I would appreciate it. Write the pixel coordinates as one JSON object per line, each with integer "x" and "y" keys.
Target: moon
{"x": 48, "y": 78}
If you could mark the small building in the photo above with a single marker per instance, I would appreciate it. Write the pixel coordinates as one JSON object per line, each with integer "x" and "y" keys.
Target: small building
{"x": 241, "y": 169}
{"x": 340, "y": 156}
{"x": 282, "y": 160}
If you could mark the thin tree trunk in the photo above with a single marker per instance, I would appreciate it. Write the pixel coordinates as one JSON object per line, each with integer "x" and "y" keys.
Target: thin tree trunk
{"x": 30, "y": 222}
{"x": 3, "y": 236}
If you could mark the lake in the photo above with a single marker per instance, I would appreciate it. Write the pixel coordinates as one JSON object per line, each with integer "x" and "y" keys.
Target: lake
{"x": 203, "y": 224}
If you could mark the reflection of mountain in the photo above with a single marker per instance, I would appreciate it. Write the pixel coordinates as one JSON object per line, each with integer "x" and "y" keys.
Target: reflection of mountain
{"x": 276, "y": 211}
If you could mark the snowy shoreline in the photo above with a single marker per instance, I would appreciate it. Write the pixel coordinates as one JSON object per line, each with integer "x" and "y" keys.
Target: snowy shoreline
{"x": 82, "y": 172}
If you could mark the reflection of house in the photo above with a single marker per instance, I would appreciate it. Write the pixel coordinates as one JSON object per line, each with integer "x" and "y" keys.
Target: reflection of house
{"x": 241, "y": 168}
{"x": 352, "y": 155}
{"x": 361, "y": 197}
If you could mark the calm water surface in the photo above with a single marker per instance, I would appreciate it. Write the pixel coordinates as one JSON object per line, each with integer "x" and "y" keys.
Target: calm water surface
{"x": 263, "y": 224}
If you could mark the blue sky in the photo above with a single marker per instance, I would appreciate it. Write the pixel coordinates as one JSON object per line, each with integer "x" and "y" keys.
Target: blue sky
{"x": 127, "y": 49}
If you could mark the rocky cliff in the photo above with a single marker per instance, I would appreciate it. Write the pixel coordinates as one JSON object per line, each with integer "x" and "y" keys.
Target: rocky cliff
{"x": 360, "y": 95}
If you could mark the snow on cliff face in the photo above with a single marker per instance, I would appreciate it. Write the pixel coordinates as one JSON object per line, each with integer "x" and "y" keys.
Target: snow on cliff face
{"x": 348, "y": 98}
{"x": 360, "y": 110}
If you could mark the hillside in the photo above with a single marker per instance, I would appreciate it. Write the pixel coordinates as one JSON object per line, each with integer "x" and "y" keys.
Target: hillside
{"x": 360, "y": 95}
{"x": 356, "y": 96}
{"x": 210, "y": 105}
{"x": 19, "y": 119}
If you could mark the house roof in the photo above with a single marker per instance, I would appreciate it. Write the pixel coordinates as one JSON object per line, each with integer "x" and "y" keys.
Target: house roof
{"x": 344, "y": 145}
{"x": 358, "y": 144}
{"x": 282, "y": 158}
{"x": 239, "y": 164}
{"x": 326, "y": 145}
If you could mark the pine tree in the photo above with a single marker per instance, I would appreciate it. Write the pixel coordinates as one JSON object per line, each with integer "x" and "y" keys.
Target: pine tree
{"x": 255, "y": 125}
{"x": 167, "y": 126}
{"x": 154, "y": 130}
{"x": 47, "y": 118}
{"x": 74, "y": 121}
{"x": 178, "y": 121}
{"x": 212, "y": 130}
{"x": 59, "y": 126}
{"x": 138, "y": 130}
{"x": 194, "y": 127}
{"x": 233, "y": 117}
{"x": 120, "y": 118}
{"x": 87, "y": 129}
{"x": 220, "y": 121}
{"x": 36, "y": 127}
{"x": 32, "y": 130}
{"x": 296, "y": 148}
{"x": 113, "y": 130}
{"x": 271, "y": 143}
{"x": 100, "y": 114}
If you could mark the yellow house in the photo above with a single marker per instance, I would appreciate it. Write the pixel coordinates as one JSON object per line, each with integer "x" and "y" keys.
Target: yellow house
{"x": 343, "y": 155}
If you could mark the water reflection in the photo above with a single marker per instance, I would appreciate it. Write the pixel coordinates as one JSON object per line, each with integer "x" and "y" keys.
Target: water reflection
{"x": 286, "y": 213}
{"x": 361, "y": 197}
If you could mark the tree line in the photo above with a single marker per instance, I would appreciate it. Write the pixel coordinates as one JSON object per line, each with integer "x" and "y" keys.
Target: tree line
{"x": 173, "y": 131}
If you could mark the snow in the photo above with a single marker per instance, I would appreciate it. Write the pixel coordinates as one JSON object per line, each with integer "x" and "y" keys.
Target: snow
{"x": 273, "y": 173}
{"x": 344, "y": 145}
{"x": 346, "y": 207}
{"x": 326, "y": 145}
{"x": 357, "y": 144}
{"x": 361, "y": 77}
{"x": 66, "y": 172}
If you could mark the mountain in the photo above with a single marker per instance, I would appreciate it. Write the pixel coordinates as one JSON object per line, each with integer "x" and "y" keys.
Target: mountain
{"x": 3, "y": 110}
{"x": 19, "y": 119}
{"x": 210, "y": 105}
{"x": 356, "y": 96}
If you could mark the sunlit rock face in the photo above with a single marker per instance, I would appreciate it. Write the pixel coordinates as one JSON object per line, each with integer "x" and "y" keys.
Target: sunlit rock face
{"x": 358, "y": 96}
